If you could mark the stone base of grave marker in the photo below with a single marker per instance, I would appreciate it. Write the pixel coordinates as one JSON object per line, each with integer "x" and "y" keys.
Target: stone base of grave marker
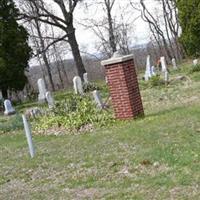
{"x": 123, "y": 86}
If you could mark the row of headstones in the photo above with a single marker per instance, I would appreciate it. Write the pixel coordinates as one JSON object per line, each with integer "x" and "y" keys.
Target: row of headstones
{"x": 45, "y": 95}
{"x": 78, "y": 89}
{"x": 150, "y": 70}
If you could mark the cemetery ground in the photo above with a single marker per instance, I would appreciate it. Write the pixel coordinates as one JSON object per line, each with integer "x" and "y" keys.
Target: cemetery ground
{"x": 156, "y": 157}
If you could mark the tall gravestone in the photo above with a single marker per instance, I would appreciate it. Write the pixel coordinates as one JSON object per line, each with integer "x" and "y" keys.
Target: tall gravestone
{"x": 78, "y": 87}
{"x": 148, "y": 74}
{"x": 123, "y": 86}
{"x": 163, "y": 64}
{"x": 9, "y": 110}
{"x": 42, "y": 90}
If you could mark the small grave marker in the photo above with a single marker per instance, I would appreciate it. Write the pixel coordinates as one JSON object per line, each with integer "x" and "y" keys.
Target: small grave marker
{"x": 85, "y": 78}
{"x": 174, "y": 63}
{"x": 78, "y": 88}
{"x": 166, "y": 77}
{"x": 97, "y": 99}
{"x": 153, "y": 71}
{"x": 163, "y": 64}
{"x": 28, "y": 136}
{"x": 195, "y": 62}
{"x": 42, "y": 90}
{"x": 9, "y": 110}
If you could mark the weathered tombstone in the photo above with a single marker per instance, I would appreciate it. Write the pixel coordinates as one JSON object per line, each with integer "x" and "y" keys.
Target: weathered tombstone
{"x": 50, "y": 100}
{"x": 174, "y": 63}
{"x": 195, "y": 62}
{"x": 148, "y": 69}
{"x": 42, "y": 90}
{"x": 78, "y": 88}
{"x": 166, "y": 77}
{"x": 163, "y": 64}
{"x": 153, "y": 71}
{"x": 9, "y": 110}
{"x": 85, "y": 78}
{"x": 97, "y": 99}
{"x": 28, "y": 136}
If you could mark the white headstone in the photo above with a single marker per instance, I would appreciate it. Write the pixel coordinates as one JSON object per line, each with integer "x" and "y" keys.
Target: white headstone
{"x": 78, "y": 88}
{"x": 163, "y": 64}
{"x": 9, "y": 110}
{"x": 166, "y": 76}
{"x": 42, "y": 90}
{"x": 148, "y": 69}
{"x": 50, "y": 100}
{"x": 85, "y": 78}
{"x": 97, "y": 99}
{"x": 174, "y": 63}
{"x": 195, "y": 62}
{"x": 153, "y": 71}
{"x": 28, "y": 136}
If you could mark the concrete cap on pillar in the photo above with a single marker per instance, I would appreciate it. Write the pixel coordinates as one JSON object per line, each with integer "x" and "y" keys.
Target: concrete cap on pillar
{"x": 116, "y": 58}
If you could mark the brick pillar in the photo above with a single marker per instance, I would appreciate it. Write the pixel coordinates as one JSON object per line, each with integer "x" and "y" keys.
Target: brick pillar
{"x": 123, "y": 85}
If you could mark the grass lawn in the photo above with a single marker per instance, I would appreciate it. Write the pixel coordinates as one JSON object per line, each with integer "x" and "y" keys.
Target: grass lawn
{"x": 156, "y": 157}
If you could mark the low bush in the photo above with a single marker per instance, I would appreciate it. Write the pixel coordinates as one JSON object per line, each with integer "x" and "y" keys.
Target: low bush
{"x": 73, "y": 113}
{"x": 195, "y": 68}
{"x": 155, "y": 81}
{"x": 89, "y": 87}
{"x": 10, "y": 123}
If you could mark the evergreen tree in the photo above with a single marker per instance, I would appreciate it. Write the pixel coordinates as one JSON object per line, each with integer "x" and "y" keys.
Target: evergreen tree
{"x": 189, "y": 16}
{"x": 14, "y": 49}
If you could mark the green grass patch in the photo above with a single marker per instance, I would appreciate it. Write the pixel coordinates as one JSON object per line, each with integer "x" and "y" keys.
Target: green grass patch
{"x": 156, "y": 157}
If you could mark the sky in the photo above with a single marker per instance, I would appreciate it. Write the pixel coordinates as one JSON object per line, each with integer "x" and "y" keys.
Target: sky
{"x": 139, "y": 31}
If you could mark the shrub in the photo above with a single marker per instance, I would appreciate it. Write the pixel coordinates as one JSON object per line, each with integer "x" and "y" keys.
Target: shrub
{"x": 11, "y": 123}
{"x": 88, "y": 87}
{"x": 195, "y": 68}
{"x": 155, "y": 81}
{"x": 74, "y": 113}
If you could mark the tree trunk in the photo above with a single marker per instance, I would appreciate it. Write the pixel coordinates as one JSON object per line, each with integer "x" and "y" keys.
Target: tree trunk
{"x": 4, "y": 93}
{"x": 44, "y": 56}
{"x": 75, "y": 51}
{"x": 111, "y": 32}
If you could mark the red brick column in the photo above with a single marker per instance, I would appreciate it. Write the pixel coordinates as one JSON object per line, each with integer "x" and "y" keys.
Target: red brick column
{"x": 123, "y": 86}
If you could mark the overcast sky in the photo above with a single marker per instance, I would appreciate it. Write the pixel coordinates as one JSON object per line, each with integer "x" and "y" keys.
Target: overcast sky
{"x": 139, "y": 31}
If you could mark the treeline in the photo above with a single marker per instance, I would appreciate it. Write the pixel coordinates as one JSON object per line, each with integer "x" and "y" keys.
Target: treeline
{"x": 51, "y": 25}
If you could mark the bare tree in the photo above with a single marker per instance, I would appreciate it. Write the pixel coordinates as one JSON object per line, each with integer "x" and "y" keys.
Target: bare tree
{"x": 112, "y": 40}
{"x": 65, "y": 23}
{"x": 43, "y": 53}
{"x": 164, "y": 27}
{"x": 112, "y": 30}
